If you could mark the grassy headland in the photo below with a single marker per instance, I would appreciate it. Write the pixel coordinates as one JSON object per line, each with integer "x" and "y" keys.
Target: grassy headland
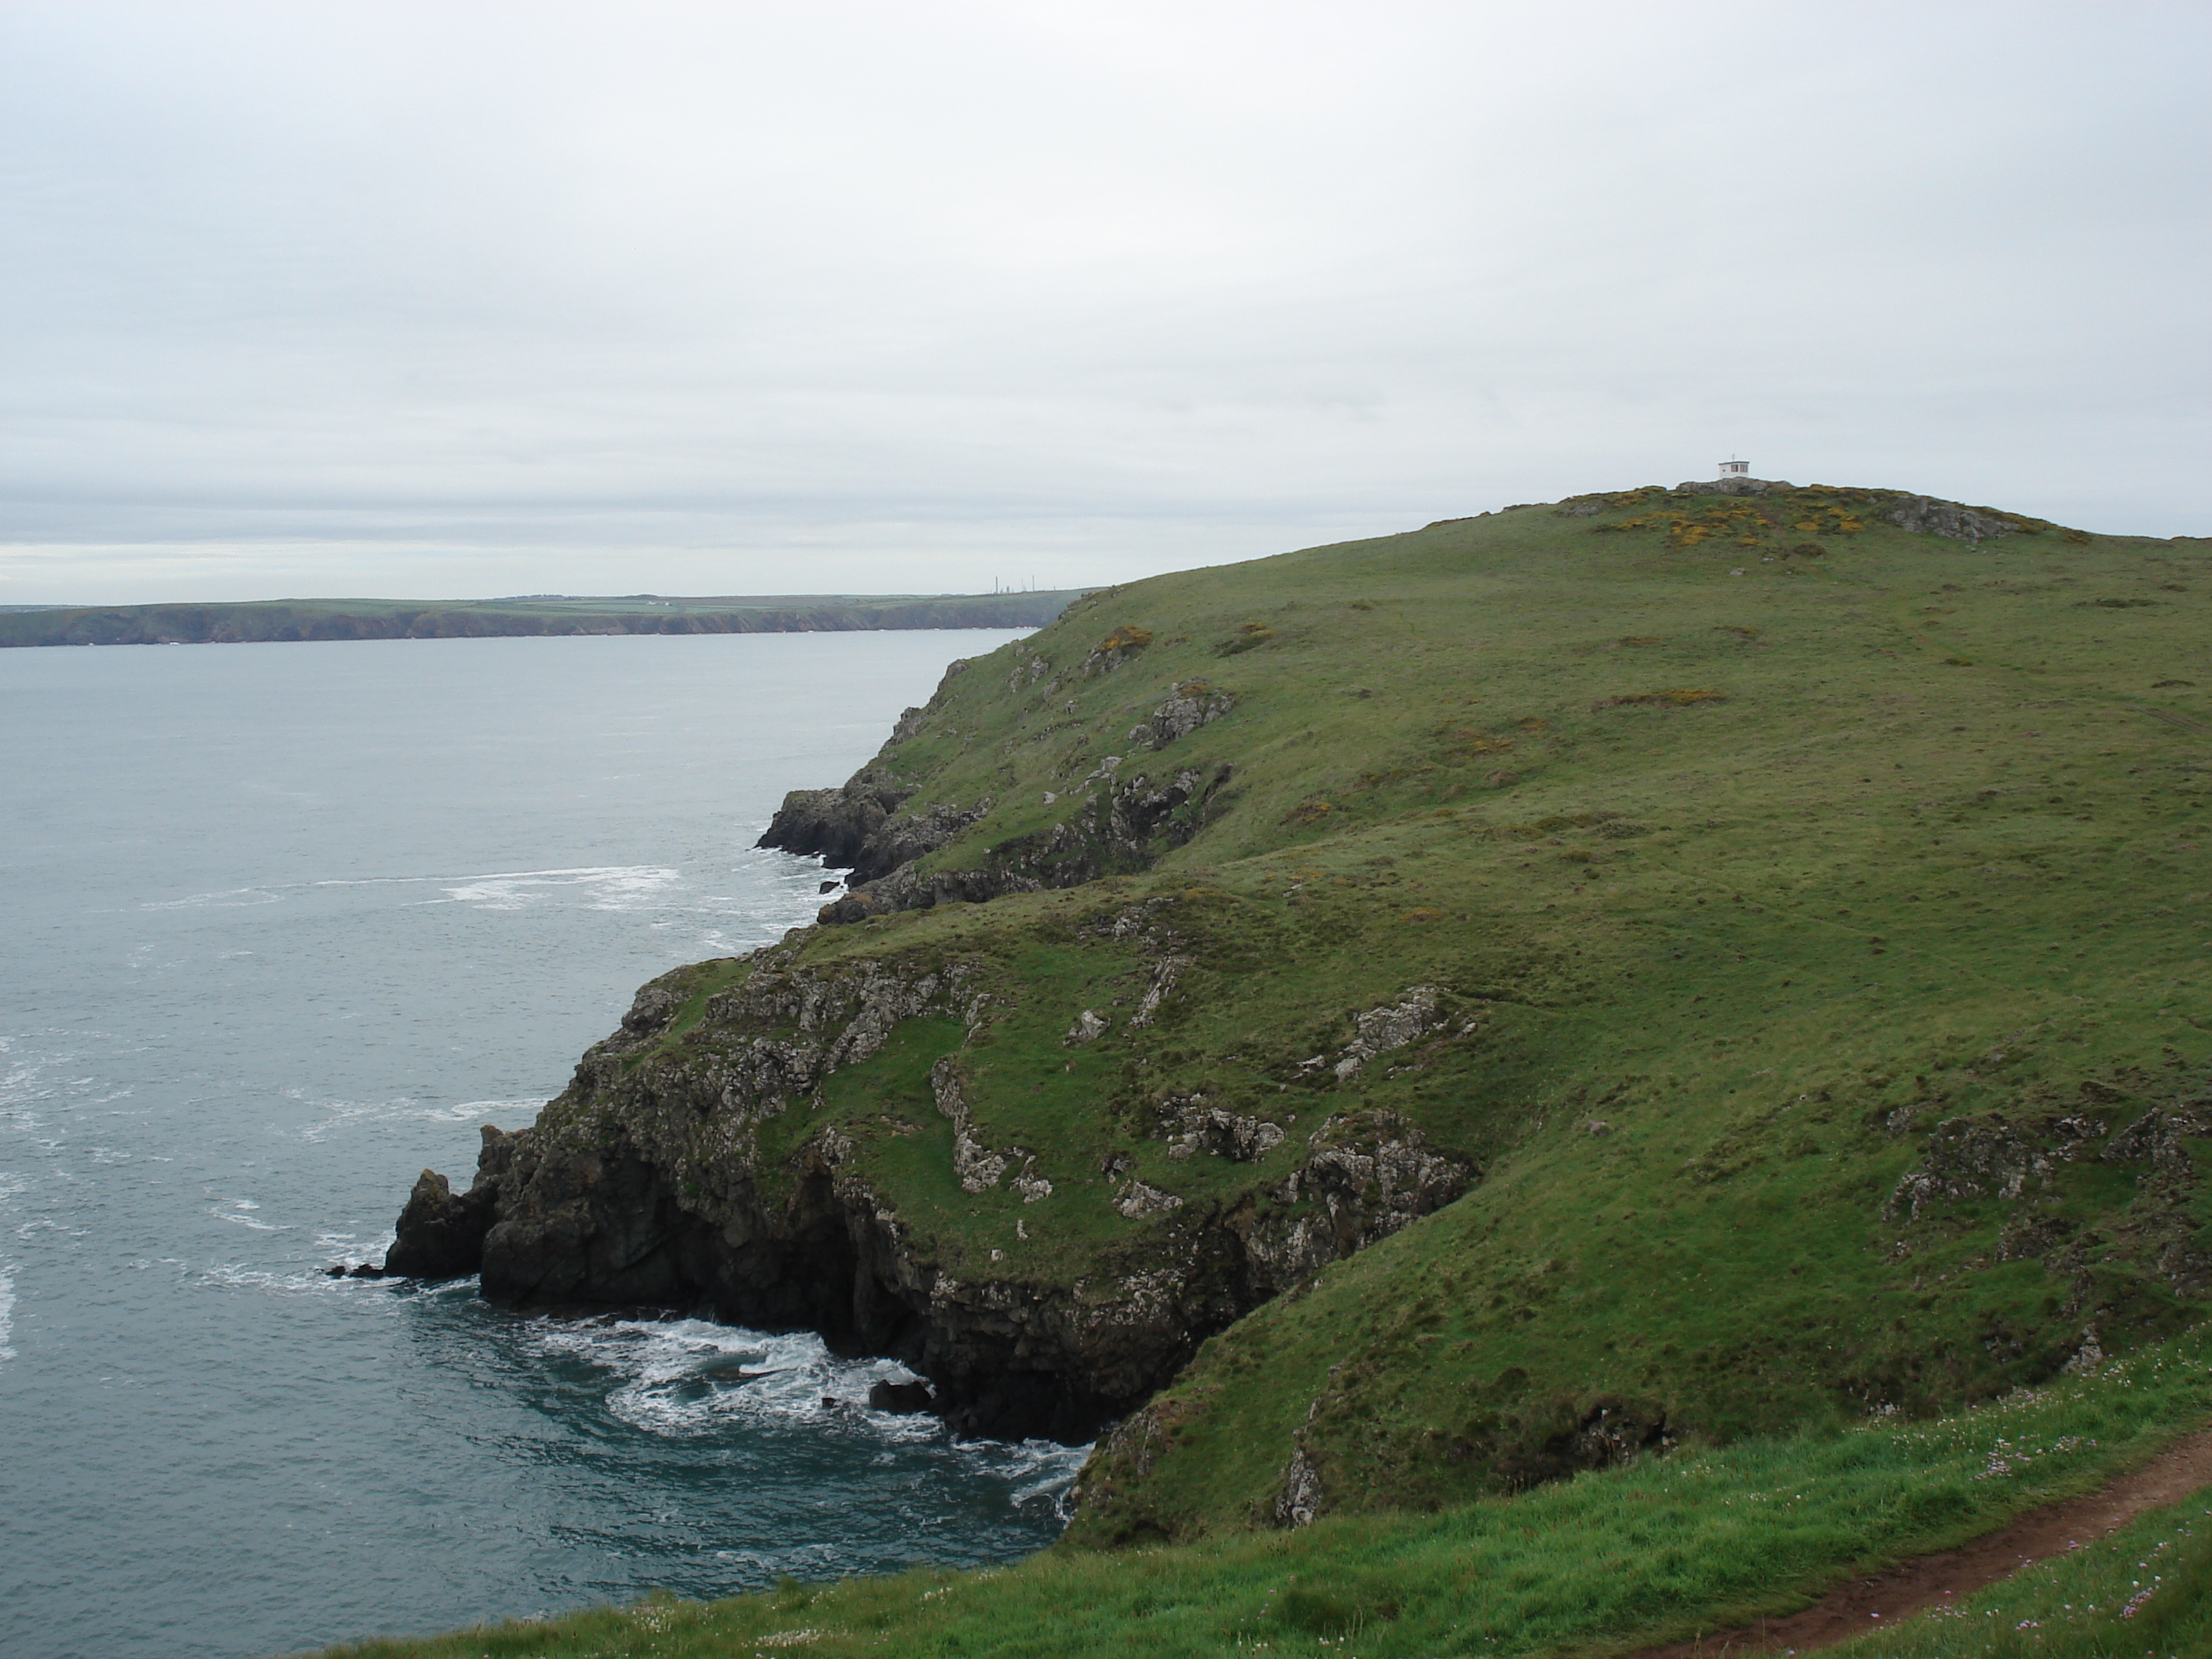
{"x": 1792, "y": 920}
{"x": 254, "y": 621}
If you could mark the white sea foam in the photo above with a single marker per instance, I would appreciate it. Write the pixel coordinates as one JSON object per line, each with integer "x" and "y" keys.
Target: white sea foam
{"x": 611, "y": 887}
{"x": 227, "y": 900}
{"x": 236, "y": 1276}
{"x": 11, "y": 1186}
{"x": 690, "y": 1376}
{"x": 240, "y": 1210}
{"x": 349, "y": 1114}
{"x": 1049, "y": 1468}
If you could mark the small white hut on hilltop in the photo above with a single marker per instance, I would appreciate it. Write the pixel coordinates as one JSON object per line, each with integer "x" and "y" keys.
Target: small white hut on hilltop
{"x": 1736, "y": 469}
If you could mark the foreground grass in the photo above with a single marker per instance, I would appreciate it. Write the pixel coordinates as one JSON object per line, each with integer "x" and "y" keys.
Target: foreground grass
{"x": 1665, "y": 1548}
{"x": 2145, "y": 1593}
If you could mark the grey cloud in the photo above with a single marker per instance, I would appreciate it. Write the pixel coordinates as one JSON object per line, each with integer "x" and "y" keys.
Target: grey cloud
{"x": 323, "y": 299}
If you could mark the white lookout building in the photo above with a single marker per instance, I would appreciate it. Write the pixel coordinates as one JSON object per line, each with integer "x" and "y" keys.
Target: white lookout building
{"x": 1736, "y": 469}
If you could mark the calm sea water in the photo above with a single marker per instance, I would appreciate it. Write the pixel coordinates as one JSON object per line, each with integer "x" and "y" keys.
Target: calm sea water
{"x": 283, "y": 924}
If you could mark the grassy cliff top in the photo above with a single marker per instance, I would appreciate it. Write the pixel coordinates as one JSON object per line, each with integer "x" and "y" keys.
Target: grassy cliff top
{"x": 1810, "y": 902}
{"x": 1808, "y": 888}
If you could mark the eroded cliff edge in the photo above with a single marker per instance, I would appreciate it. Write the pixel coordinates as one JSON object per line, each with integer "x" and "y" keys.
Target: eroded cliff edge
{"x": 831, "y": 1147}
{"x": 909, "y": 827}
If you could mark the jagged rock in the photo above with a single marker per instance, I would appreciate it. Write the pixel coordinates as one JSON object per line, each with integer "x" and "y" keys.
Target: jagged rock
{"x": 1089, "y": 1027}
{"x": 1033, "y": 1187}
{"x": 1381, "y": 1030}
{"x": 1117, "y": 648}
{"x": 1734, "y": 486}
{"x": 1987, "y": 1157}
{"x": 1929, "y": 516}
{"x": 901, "y": 839}
{"x": 440, "y": 1234}
{"x": 1200, "y": 1127}
{"x": 1372, "y": 1173}
{"x": 1192, "y": 705}
{"x": 835, "y": 824}
{"x": 1137, "y": 1201}
{"x": 651, "y": 1009}
{"x": 975, "y": 1164}
{"x": 1300, "y": 1501}
{"x": 1121, "y": 829}
{"x": 839, "y": 825}
{"x": 1165, "y": 972}
{"x": 1029, "y": 668}
{"x": 2160, "y": 1137}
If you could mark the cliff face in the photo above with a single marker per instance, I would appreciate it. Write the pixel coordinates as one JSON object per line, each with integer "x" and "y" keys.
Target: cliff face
{"x": 706, "y": 1153}
{"x": 1118, "y": 817}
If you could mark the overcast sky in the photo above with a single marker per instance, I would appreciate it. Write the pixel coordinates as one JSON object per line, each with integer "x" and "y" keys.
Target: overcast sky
{"x": 475, "y": 299}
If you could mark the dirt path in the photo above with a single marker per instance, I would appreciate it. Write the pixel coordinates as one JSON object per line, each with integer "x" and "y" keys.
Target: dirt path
{"x": 1884, "y": 1598}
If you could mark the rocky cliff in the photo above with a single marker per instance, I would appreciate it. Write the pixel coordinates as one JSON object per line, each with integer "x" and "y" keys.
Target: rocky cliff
{"x": 746, "y": 1142}
{"x": 1117, "y": 816}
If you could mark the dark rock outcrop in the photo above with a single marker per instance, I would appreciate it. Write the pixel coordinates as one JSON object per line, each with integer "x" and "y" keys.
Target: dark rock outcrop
{"x": 440, "y": 1234}
{"x": 1122, "y": 826}
{"x": 836, "y": 825}
{"x": 644, "y": 1183}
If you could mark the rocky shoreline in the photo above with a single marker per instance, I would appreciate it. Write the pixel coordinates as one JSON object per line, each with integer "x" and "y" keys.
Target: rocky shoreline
{"x": 696, "y": 1161}
{"x": 644, "y": 1184}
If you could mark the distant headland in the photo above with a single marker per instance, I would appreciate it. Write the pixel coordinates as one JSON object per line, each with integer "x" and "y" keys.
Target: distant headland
{"x": 256, "y": 620}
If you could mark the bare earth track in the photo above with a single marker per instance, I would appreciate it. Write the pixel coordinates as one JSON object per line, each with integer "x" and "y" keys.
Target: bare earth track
{"x": 1884, "y": 1598}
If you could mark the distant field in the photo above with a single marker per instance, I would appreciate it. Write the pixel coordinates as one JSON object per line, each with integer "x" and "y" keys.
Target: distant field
{"x": 258, "y": 620}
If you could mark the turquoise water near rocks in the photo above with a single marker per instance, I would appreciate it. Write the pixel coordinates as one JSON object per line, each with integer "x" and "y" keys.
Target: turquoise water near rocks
{"x": 283, "y": 924}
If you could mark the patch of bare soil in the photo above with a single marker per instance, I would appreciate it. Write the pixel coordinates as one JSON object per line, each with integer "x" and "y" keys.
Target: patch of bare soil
{"x": 1927, "y": 1581}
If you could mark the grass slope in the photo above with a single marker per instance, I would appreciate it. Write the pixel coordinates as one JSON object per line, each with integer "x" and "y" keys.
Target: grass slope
{"x": 1761, "y": 855}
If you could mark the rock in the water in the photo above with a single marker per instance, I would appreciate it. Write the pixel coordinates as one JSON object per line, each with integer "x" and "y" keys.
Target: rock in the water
{"x": 441, "y": 1234}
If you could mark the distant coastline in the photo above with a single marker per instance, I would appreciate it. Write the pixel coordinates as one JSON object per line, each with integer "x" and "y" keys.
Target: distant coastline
{"x": 257, "y": 621}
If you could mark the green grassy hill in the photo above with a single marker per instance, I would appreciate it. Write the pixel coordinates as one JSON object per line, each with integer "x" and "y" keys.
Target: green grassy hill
{"x": 1784, "y": 912}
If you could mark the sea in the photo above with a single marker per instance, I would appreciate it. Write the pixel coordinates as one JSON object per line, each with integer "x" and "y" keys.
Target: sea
{"x": 283, "y": 924}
